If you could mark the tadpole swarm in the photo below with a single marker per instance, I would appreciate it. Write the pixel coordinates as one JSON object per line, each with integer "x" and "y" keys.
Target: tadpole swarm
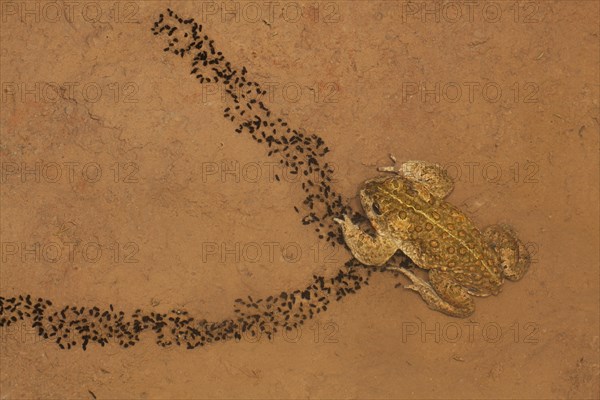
{"x": 302, "y": 154}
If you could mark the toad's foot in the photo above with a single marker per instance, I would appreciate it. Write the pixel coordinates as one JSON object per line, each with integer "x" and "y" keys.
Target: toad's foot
{"x": 441, "y": 294}
{"x": 432, "y": 176}
{"x": 513, "y": 253}
{"x": 391, "y": 168}
{"x": 417, "y": 282}
{"x": 367, "y": 249}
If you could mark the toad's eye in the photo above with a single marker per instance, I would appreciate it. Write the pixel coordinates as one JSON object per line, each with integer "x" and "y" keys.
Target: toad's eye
{"x": 376, "y": 209}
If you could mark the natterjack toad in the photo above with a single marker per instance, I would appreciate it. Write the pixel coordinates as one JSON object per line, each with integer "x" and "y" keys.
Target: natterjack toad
{"x": 409, "y": 213}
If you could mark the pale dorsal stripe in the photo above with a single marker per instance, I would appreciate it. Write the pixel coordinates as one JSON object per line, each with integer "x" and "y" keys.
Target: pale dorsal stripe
{"x": 435, "y": 223}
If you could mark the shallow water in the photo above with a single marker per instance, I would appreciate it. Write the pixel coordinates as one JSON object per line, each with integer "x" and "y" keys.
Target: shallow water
{"x": 131, "y": 188}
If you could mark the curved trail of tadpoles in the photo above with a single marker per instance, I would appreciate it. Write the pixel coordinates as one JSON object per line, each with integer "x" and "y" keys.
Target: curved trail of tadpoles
{"x": 300, "y": 153}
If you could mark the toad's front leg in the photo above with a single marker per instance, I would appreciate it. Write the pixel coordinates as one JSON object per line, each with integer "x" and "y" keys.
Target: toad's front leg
{"x": 365, "y": 248}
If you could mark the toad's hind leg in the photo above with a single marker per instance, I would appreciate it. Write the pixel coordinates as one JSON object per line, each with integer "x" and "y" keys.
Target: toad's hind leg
{"x": 430, "y": 175}
{"x": 514, "y": 256}
{"x": 367, "y": 249}
{"x": 441, "y": 293}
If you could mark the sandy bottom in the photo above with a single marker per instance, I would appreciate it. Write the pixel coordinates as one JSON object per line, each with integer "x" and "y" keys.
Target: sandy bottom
{"x": 126, "y": 187}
